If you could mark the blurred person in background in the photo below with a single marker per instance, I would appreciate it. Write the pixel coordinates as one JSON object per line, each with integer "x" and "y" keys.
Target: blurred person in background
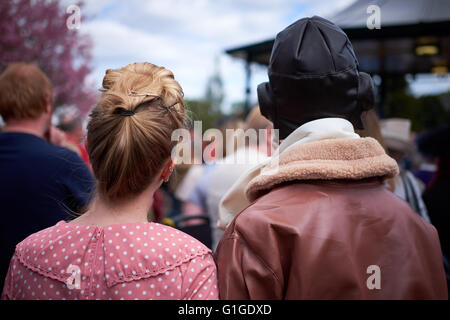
{"x": 431, "y": 145}
{"x": 40, "y": 183}
{"x": 196, "y": 185}
{"x": 215, "y": 184}
{"x": 396, "y": 135}
{"x": 425, "y": 169}
{"x": 435, "y": 143}
{"x": 72, "y": 125}
{"x": 372, "y": 128}
{"x": 194, "y": 188}
{"x": 185, "y": 177}
{"x": 111, "y": 251}
{"x": 318, "y": 221}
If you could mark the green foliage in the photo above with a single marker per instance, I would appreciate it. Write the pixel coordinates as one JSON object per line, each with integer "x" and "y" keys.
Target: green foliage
{"x": 214, "y": 93}
{"x": 425, "y": 112}
{"x": 208, "y": 110}
{"x": 432, "y": 112}
{"x": 238, "y": 109}
{"x": 200, "y": 110}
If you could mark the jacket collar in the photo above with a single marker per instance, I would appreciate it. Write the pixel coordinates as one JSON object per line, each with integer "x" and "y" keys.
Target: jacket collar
{"x": 324, "y": 149}
{"x": 321, "y": 129}
{"x": 330, "y": 159}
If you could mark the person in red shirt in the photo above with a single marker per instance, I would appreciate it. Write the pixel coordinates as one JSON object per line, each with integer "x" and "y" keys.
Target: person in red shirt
{"x": 72, "y": 126}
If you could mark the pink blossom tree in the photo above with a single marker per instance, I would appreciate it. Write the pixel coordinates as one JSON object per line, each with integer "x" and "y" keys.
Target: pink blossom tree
{"x": 35, "y": 31}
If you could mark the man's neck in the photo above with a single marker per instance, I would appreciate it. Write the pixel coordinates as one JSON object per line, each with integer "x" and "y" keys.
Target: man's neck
{"x": 24, "y": 127}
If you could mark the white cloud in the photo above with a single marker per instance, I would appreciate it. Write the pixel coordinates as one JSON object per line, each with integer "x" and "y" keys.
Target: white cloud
{"x": 113, "y": 40}
{"x": 325, "y": 9}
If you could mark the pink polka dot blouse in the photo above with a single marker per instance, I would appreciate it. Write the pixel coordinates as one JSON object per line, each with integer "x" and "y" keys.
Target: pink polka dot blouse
{"x": 123, "y": 261}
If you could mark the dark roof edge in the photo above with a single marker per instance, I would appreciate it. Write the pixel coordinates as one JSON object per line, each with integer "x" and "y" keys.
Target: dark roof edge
{"x": 413, "y": 30}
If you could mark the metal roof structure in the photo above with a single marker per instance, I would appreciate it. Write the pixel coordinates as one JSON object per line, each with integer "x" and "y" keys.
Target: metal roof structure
{"x": 405, "y": 25}
{"x": 395, "y": 13}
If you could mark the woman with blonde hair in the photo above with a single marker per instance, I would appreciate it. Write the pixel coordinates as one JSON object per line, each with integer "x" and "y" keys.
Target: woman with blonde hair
{"x": 111, "y": 251}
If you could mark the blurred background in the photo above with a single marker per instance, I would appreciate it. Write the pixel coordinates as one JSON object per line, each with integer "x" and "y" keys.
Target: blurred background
{"x": 219, "y": 50}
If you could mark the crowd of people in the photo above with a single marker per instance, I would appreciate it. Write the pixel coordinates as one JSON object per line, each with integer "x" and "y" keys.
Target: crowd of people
{"x": 343, "y": 206}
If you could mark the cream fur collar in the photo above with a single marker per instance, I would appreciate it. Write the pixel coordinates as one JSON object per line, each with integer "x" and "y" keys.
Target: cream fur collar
{"x": 324, "y": 149}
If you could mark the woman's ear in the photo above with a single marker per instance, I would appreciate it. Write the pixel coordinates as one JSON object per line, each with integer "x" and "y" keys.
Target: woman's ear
{"x": 167, "y": 170}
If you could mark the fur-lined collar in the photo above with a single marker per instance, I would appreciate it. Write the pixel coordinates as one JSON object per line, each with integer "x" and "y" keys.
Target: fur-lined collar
{"x": 323, "y": 149}
{"x": 331, "y": 159}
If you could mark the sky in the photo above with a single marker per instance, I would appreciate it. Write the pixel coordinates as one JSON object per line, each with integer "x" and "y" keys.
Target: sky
{"x": 190, "y": 37}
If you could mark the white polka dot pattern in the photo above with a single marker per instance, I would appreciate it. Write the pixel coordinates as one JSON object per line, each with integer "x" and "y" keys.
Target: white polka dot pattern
{"x": 128, "y": 261}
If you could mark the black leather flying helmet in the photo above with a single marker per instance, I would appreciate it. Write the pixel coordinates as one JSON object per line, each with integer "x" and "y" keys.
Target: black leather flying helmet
{"x": 313, "y": 74}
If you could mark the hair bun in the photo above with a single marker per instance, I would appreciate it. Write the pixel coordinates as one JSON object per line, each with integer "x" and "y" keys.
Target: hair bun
{"x": 110, "y": 78}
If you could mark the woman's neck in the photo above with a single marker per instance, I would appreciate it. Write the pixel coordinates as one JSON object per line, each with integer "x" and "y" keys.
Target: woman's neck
{"x": 102, "y": 212}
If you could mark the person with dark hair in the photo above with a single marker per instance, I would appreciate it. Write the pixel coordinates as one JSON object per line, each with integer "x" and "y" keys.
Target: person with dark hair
{"x": 72, "y": 126}
{"x": 316, "y": 220}
{"x": 435, "y": 143}
{"x": 217, "y": 179}
{"x": 40, "y": 183}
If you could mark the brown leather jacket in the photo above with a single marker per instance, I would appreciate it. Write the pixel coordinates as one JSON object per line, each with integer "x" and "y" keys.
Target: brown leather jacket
{"x": 307, "y": 238}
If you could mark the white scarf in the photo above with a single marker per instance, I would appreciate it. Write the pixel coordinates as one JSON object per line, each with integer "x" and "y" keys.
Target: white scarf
{"x": 235, "y": 200}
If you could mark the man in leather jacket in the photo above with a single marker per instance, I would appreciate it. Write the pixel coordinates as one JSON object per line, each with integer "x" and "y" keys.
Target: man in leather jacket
{"x": 319, "y": 223}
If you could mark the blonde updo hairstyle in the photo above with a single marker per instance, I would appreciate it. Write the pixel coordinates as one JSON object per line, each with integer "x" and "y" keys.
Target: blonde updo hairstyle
{"x": 129, "y": 132}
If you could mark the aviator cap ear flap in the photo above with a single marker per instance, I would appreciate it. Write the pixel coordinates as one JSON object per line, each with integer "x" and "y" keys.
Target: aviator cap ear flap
{"x": 365, "y": 98}
{"x": 366, "y": 91}
{"x": 266, "y": 101}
